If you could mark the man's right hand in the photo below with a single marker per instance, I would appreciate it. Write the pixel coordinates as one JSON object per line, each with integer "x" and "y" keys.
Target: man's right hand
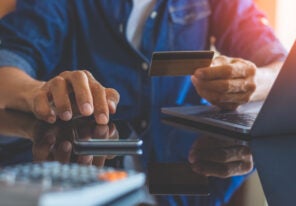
{"x": 51, "y": 100}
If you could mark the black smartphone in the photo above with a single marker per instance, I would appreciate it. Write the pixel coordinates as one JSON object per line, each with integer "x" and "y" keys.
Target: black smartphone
{"x": 116, "y": 135}
{"x": 107, "y": 151}
{"x": 176, "y": 179}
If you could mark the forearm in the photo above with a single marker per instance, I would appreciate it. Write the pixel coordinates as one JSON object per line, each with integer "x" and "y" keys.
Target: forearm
{"x": 264, "y": 78}
{"x": 15, "y": 89}
{"x": 17, "y": 124}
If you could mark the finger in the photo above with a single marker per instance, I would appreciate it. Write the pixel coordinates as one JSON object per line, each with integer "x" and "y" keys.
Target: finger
{"x": 42, "y": 148}
{"x": 110, "y": 157}
{"x": 101, "y": 108}
{"x": 59, "y": 92}
{"x": 101, "y": 132}
{"x": 228, "y": 106}
{"x": 209, "y": 96}
{"x": 238, "y": 98}
{"x": 226, "y": 85}
{"x": 85, "y": 133}
{"x": 226, "y": 101}
{"x": 113, "y": 135}
{"x": 99, "y": 161}
{"x": 85, "y": 159}
{"x": 83, "y": 96}
{"x": 112, "y": 97}
{"x": 42, "y": 109}
{"x": 215, "y": 99}
{"x": 63, "y": 152}
{"x": 224, "y": 155}
{"x": 223, "y": 170}
{"x": 192, "y": 156}
{"x": 44, "y": 144}
{"x": 211, "y": 144}
{"x": 220, "y": 60}
{"x": 238, "y": 69}
{"x": 113, "y": 132}
{"x": 221, "y": 100}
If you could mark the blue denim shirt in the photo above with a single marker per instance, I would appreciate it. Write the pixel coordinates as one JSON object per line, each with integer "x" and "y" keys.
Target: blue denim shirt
{"x": 45, "y": 38}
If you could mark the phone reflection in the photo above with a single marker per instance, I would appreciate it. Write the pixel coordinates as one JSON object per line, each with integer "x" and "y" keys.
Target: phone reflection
{"x": 98, "y": 139}
{"x": 55, "y": 142}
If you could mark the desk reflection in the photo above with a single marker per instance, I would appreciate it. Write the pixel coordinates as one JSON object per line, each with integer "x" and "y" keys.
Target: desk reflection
{"x": 54, "y": 142}
{"x": 212, "y": 166}
{"x": 221, "y": 158}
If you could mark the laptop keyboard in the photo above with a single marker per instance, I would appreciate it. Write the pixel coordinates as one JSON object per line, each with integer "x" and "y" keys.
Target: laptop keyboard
{"x": 246, "y": 119}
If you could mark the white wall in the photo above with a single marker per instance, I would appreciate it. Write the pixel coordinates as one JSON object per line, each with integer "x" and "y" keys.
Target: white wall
{"x": 286, "y": 22}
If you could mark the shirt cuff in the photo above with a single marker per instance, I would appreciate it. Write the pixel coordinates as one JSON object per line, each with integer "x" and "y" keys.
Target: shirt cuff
{"x": 8, "y": 58}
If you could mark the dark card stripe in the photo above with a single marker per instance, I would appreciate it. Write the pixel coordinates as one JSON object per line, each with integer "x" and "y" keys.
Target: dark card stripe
{"x": 183, "y": 55}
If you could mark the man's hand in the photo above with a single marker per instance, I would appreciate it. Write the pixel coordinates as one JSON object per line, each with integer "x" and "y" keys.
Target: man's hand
{"x": 228, "y": 83}
{"x": 220, "y": 158}
{"x": 53, "y": 98}
{"x": 54, "y": 142}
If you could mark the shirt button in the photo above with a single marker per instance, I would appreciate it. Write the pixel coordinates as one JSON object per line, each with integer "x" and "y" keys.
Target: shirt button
{"x": 153, "y": 15}
{"x": 145, "y": 66}
{"x": 143, "y": 124}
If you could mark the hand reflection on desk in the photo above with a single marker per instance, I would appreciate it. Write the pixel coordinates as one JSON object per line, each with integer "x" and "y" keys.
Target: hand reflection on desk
{"x": 220, "y": 157}
{"x": 54, "y": 142}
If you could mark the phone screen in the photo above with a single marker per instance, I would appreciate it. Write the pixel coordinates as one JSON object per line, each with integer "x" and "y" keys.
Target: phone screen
{"x": 176, "y": 178}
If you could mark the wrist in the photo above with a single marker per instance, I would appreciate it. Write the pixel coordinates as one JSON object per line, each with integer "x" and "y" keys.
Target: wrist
{"x": 264, "y": 79}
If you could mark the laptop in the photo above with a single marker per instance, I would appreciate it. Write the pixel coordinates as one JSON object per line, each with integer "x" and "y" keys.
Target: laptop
{"x": 275, "y": 116}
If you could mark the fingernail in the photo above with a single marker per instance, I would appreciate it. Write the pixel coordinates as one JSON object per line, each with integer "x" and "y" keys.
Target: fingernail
{"x": 102, "y": 119}
{"x": 66, "y": 115}
{"x": 51, "y": 119}
{"x": 52, "y": 112}
{"x": 66, "y": 146}
{"x": 87, "y": 108}
{"x": 112, "y": 105}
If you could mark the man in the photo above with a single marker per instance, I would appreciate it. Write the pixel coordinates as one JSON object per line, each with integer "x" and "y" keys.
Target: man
{"x": 95, "y": 50}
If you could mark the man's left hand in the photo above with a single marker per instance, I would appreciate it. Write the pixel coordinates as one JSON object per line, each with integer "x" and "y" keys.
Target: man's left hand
{"x": 227, "y": 83}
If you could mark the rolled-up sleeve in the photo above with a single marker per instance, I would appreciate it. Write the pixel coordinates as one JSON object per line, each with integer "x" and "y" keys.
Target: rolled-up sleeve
{"x": 241, "y": 30}
{"x": 32, "y": 37}
{"x": 11, "y": 59}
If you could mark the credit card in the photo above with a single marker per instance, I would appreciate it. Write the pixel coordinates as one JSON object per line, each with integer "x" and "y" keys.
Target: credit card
{"x": 179, "y": 63}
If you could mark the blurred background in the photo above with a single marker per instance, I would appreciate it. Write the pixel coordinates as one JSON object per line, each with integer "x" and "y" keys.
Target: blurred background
{"x": 281, "y": 14}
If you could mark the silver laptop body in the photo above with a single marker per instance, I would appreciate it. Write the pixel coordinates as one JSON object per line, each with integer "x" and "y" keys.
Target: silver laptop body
{"x": 276, "y": 115}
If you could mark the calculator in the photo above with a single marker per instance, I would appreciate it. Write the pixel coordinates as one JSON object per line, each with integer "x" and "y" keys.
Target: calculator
{"x": 54, "y": 184}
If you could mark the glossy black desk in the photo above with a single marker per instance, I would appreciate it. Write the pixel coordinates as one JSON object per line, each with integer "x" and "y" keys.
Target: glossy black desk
{"x": 184, "y": 165}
